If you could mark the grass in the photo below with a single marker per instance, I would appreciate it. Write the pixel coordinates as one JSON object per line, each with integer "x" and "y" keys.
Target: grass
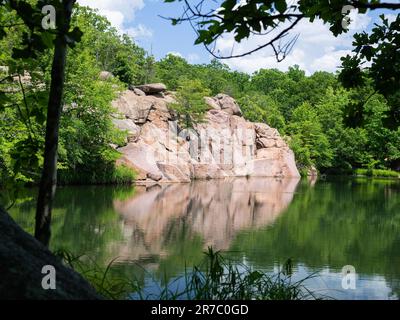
{"x": 110, "y": 175}
{"x": 216, "y": 278}
{"x": 108, "y": 284}
{"x": 377, "y": 173}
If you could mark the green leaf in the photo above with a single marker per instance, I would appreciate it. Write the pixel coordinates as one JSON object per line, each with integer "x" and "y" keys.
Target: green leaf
{"x": 23, "y": 53}
{"x": 281, "y": 5}
{"x": 47, "y": 39}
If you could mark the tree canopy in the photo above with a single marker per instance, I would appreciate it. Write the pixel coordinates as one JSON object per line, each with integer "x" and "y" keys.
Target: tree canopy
{"x": 275, "y": 21}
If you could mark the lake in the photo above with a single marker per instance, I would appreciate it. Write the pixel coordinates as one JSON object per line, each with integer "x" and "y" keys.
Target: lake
{"x": 321, "y": 225}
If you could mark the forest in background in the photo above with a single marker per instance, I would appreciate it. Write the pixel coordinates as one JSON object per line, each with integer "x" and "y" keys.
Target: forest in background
{"x": 333, "y": 128}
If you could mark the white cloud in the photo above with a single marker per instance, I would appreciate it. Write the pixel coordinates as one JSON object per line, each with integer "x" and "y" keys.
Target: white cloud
{"x": 329, "y": 61}
{"x": 391, "y": 17}
{"x": 120, "y": 13}
{"x": 109, "y": 7}
{"x": 140, "y": 31}
{"x": 115, "y": 17}
{"x": 316, "y": 48}
{"x": 175, "y": 53}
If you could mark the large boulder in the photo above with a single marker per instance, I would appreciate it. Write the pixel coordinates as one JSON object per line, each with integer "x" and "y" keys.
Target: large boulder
{"x": 152, "y": 88}
{"x": 228, "y": 104}
{"x": 143, "y": 158}
{"x": 223, "y": 145}
{"x": 175, "y": 173}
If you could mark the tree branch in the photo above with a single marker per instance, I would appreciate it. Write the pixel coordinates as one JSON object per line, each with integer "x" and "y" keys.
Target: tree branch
{"x": 376, "y": 6}
{"x": 286, "y": 48}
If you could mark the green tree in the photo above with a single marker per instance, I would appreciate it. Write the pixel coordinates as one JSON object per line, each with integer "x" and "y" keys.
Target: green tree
{"x": 190, "y": 105}
{"x": 308, "y": 140}
{"x": 113, "y": 52}
{"x": 171, "y": 69}
{"x": 34, "y": 103}
{"x": 276, "y": 19}
{"x": 262, "y": 108}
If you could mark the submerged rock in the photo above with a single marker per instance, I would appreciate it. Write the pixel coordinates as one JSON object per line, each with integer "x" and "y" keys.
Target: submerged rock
{"x": 224, "y": 145}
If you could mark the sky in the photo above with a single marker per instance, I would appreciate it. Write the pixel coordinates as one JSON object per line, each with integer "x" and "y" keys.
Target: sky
{"x": 316, "y": 49}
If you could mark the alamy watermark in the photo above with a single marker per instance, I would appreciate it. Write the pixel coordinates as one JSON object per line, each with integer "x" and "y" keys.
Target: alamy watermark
{"x": 49, "y": 20}
{"x": 49, "y": 280}
{"x": 349, "y": 277}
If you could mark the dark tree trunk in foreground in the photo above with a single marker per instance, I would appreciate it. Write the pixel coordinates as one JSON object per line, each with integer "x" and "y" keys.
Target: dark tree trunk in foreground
{"x": 48, "y": 180}
{"x": 21, "y": 261}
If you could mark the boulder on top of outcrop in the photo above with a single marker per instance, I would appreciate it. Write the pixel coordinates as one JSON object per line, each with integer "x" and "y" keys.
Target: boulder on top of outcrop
{"x": 265, "y": 131}
{"x": 144, "y": 108}
{"x": 138, "y": 92}
{"x": 228, "y": 104}
{"x": 152, "y": 88}
{"x": 105, "y": 75}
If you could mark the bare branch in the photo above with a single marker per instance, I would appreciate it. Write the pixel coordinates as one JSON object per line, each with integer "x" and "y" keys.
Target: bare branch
{"x": 375, "y": 6}
{"x": 271, "y": 43}
{"x": 271, "y": 21}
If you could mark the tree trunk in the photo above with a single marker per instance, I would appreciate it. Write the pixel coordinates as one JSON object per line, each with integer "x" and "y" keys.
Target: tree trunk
{"x": 48, "y": 180}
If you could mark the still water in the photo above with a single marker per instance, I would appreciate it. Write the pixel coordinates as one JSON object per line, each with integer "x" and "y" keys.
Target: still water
{"x": 321, "y": 225}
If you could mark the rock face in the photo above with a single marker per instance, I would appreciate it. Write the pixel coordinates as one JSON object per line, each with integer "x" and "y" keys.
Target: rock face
{"x": 224, "y": 145}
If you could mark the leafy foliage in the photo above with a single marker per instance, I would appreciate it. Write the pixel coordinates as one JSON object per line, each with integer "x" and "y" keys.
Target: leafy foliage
{"x": 276, "y": 19}
{"x": 86, "y": 131}
{"x": 190, "y": 105}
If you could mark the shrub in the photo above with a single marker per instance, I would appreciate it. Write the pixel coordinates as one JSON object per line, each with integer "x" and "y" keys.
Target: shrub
{"x": 109, "y": 174}
{"x": 377, "y": 173}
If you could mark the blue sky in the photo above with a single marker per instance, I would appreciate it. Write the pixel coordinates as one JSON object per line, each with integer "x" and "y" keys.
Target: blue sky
{"x": 316, "y": 48}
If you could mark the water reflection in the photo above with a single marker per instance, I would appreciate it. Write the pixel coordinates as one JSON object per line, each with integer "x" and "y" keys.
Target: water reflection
{"x": 322, "y": 226}
{"x": 214, "y": 210}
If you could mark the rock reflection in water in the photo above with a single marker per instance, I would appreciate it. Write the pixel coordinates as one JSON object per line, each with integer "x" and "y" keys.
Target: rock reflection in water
{"x": 214, "y": 209}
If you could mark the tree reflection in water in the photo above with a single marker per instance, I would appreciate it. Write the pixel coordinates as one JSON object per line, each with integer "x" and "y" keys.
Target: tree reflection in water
{"x": 321, "y": 225}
